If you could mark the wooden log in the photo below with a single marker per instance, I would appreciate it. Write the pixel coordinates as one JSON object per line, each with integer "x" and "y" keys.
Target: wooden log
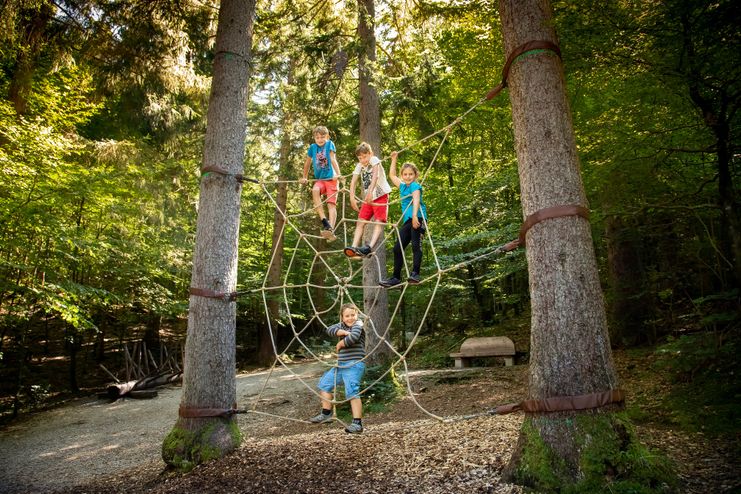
{"x": 116, "y": 391}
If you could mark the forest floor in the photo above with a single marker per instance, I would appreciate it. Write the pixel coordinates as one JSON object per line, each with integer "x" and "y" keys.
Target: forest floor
{"x": 93, "y": 446}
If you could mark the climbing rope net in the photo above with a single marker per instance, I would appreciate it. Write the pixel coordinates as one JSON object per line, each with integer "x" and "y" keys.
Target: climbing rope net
{"x": 344, "y": 281}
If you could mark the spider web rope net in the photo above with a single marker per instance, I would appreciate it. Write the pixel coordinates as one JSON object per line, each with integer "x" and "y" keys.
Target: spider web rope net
{"x": 341, "y": 279}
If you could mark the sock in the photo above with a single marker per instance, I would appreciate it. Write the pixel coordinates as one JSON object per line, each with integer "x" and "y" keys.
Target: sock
{"x": 325, "y": 222}
{"x": 326, "y": 412}
{"x": 357, "y": 421}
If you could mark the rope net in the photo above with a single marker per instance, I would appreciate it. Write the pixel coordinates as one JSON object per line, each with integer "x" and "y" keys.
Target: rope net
{"x": 333, "y": 276}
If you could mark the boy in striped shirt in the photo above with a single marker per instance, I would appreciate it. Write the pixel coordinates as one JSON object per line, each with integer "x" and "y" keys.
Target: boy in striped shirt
{"x": 349, "y": 370}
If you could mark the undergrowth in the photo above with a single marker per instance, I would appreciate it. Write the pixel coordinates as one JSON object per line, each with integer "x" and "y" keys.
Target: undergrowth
{"x": 380, "y": 396}
{"x": 705, "y": 387}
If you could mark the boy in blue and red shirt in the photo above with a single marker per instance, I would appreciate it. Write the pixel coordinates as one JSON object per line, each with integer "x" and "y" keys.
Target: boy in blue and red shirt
{"x": 322, "y": 155}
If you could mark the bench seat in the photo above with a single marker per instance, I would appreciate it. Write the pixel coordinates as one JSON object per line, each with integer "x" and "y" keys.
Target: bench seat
{"x": 485, "y": 346}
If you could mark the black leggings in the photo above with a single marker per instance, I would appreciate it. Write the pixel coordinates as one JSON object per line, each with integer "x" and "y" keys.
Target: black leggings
{"x": 406, "y": 234}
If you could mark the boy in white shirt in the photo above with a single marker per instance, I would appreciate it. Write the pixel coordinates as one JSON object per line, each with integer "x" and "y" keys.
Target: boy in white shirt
{"x": 375, "y": 199}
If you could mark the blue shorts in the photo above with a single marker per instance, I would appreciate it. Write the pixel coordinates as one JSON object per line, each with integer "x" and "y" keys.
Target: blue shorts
{"x": 350, "y": 375}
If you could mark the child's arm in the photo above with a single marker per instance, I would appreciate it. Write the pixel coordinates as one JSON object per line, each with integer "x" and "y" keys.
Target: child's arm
{"x": 332, "y": 330}
{"x": 305, "y": 176}
{"x": 341, "y": 333}
{"x": 415, "y": 207}
{"x": 354, "y": 335}
{"x": 335, "y": 165}
{"x": 353, "y": 184}
{"x": 392, "y": 170}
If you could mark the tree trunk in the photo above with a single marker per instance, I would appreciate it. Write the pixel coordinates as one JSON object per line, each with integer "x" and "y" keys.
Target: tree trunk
{"x": 210, "y": 360}
{"x": 72, "y": 343}
{"x": 153, "y": 326}
{"x": 716, "y": 117}
{"x": 375, "y": 300}
{"x": 631, "y": 304}
{"x": 36, "y": 20}
{"x": 569, "y": 347}
{"x": 266, "y": 352}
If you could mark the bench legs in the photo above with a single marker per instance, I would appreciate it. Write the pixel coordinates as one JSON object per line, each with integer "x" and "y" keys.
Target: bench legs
{"x": 461, "y": 362}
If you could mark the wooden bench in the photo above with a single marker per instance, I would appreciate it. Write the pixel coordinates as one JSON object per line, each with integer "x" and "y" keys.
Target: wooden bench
{"x": 485, "y": 346}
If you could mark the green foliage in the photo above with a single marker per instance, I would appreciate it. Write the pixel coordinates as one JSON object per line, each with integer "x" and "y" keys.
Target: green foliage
{"x": 706, "y": 390}
{"x": 384, "y": 392}
{"x": 432, "y": 352}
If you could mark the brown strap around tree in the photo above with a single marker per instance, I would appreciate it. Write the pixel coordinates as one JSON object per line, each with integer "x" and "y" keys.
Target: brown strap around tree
{"x": 201, "y": 292}
{"x": 545, "y": 214}
{"x": 521, "y": 50}
{"x": 220, "y": 171}
{"x": 564, "y": 403}
{"x": 200, "y": 413}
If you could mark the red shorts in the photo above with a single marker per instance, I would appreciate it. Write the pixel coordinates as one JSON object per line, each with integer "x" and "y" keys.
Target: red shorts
{"x": 379, "y": 209}
{"x": 327, "y": 188}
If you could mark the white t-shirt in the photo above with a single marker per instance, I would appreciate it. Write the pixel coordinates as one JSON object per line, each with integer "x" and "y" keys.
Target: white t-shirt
{"x": 366, "y": 176}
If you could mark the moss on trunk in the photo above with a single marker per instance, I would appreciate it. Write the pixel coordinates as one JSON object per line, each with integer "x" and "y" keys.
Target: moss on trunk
{"x": 183, "y": 449}
{"x": 608, "y": 457}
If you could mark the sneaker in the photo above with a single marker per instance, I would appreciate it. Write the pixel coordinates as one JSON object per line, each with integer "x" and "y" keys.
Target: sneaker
{"x": 414, "y": 279}
{"x": 351, "y": 252}
{"x": 389, "y": 282}
{"x": 321, "y": 418}
{"x": 364, "y": 251}
{"x": 353, "y": 428}
{"x": 328, "y": 234}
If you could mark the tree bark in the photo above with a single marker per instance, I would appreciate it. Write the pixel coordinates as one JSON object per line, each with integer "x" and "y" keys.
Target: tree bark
{"x": 569, "y": 347}
{"x": 210, "y": 360}
{"x": 375, "y": 300}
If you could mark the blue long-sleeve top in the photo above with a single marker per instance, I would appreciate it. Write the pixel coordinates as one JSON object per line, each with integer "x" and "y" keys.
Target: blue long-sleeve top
{"x": 354, "y": 342}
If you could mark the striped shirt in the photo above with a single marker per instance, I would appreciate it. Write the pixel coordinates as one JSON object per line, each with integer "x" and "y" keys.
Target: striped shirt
{"x": 354, "y": 342}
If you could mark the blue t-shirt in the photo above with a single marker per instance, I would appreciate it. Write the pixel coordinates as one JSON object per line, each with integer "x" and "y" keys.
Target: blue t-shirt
{"x": 406, "y": 201}
{"x": 320, "y": 157}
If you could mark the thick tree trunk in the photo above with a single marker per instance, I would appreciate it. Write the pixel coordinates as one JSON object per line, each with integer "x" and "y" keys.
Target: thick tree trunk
{"x": 209, "y": 362}
{"x": 569, "y": 348}
{"x": 375, "y": 300}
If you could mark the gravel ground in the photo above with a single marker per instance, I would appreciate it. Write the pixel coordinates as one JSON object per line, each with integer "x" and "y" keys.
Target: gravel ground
{"x": 95, "y": 447}
{"x": 87, "y": 438}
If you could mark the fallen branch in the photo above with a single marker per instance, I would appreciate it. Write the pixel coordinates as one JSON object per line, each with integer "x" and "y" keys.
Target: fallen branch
{"x": 119, "y": 390}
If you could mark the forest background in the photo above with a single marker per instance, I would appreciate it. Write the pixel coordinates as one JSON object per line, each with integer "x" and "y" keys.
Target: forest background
{"x": 102, "y": 123}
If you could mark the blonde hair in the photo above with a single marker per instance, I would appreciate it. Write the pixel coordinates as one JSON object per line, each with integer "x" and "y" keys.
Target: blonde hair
{"x": 345, "y": 307}
{"x": 363, "y": 148}
{"x": 413, "y": 168}
{"x": 320, "y": 130}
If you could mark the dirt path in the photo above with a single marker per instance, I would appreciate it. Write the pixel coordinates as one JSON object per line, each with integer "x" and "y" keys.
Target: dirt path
{"x": 97, "y": 447}
{"x": 86, "y": 438}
